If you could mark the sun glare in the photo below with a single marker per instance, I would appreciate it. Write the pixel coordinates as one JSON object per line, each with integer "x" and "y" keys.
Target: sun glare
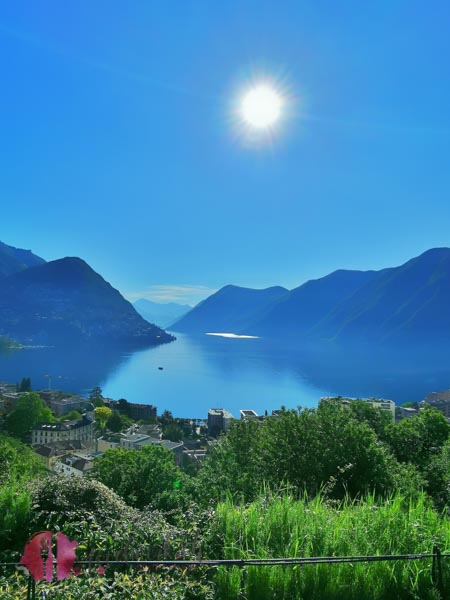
{"x": 261, "y": 107}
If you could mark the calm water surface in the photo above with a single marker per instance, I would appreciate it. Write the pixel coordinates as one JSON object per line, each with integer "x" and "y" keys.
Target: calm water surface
{"x": 209, "y": 371}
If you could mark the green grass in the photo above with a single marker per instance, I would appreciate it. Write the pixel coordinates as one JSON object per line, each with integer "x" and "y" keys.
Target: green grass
{"x": 283, "y": 527}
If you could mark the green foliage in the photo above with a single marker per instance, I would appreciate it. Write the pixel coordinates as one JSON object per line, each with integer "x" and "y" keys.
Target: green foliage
{"x": 418, "y": 439}
{"x": 436, "y": 474}
{"x": 73, "y": 415}
{"x": 29, "y": 411}
{"x": 102, "y": 414}
{"x": 96, "y": 396}
{"x": 166, "y": 418}
{"x": 99, "y": 520}
{"x": 173, "y": 433}
{"x": 275, "y": 526}
{"x": 25, "y": 385}
{"x": 118, "y": 421}
{"x": 312, "y": 450}
{"x": 376, "y": 419}
{"x": 18, "y": 465}
{"x": 129, "y": 585}
{"x": 17, "y": 461}
{"x": 15, "y": 504}
{"x": 123, "y": 406}
{"x": 142, "y": 477}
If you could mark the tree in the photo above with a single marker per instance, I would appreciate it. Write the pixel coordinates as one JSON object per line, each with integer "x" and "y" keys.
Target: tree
{"x": 25, "y": 385}
{"x": 418, "y": 439}
{"x": 173, "y": 433}
{"x": 166, "y": 418}
{"x": 123, "y": 406}
{"x": 102, "y": 414}
{"x": 146, "y": 477}
{"x": 96, "y": 396}
{"x": 73, "y": 415}
{"x": 326, "y": 450}
{"x": 118, "y": 421}
{"x": 29, "y": 411}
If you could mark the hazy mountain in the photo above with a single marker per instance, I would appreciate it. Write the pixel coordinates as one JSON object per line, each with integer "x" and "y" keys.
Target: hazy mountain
{"x": 296, "y": 312}
{"x": 410, "y": 303}
{"x": 64, "y": 301}
{"x": 161, "y": 314}
{"x": 13, "y": 260}
{"x": 229, "y": 310}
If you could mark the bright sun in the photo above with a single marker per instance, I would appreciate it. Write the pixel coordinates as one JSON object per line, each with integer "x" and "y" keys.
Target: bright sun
{"x": 261, "y": 107}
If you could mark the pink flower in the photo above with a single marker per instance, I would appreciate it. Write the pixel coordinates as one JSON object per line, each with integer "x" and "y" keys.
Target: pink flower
{"x": 39, "y": 543}
{"x": 65, "y": 551}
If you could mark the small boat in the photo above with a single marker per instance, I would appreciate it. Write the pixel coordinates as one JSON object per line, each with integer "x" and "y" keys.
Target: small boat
{"x": 160, "y": 368}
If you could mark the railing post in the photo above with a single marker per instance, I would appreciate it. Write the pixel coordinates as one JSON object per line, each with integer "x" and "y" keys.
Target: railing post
{"x": 436, "y": 572}
{"x": 31, "y": 590}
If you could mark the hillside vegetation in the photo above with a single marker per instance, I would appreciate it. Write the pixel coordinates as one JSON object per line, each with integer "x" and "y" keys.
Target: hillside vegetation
{"x": 327, "y": 482}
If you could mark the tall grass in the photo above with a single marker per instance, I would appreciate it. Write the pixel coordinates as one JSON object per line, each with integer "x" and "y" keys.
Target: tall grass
{"x": 284, "y": 527}
{"x": 15, "y": 503}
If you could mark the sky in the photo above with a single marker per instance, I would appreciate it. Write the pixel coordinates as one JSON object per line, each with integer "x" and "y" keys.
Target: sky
{"x": 120, "y": 140}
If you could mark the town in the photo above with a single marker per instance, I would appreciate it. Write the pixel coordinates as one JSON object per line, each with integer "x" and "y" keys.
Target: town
{"x": 80, "y": 429}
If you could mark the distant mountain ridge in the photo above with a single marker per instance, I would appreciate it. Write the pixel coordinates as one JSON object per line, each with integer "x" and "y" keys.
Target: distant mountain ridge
{"x": 228, "y": 310}
{"x": 66, "y": 301}
{"x": 407, "y": 304}
{"x": 13, "y": 260}
{"x": 162, "y": 314}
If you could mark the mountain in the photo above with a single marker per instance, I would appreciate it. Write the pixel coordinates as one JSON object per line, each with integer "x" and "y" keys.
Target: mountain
{"x": 13, "y": 260}
{"x": 64, "y": 301}
{"x": 296, "y": 312}
{"x": 409, "y": 303}
{"x": 229, "y": 310}
{"x": 161, "y": 314}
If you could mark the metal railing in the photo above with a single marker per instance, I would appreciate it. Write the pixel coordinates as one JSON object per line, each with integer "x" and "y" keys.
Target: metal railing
{"x": 436, "y": 556}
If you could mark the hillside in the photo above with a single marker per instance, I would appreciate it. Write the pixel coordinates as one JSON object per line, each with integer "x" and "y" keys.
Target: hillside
{"x": 230, "y": 310}
{"x": 296, "y": 313}
{"x": 404, "y": 304}
{"x": 66, "y": 300}
{"x": 13, "y": 260}
{"x": 409, "y": 303}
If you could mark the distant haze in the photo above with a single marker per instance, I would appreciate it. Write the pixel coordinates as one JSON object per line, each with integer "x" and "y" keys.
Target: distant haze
{"x": 162, "y": 314}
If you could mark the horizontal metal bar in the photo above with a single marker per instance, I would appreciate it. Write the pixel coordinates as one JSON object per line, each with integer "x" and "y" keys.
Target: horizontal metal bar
{"x": 314, "y": 560}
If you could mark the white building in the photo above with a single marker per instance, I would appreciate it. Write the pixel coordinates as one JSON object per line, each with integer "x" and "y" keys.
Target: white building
{"x": 48, "y": 433}
{"x": 379, "y": 403}
{"x": 73, "y": 464}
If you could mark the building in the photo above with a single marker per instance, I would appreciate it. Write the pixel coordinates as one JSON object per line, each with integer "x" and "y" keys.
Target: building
{"x": 440, "y": 401}
{"x": 219, "y": 420}
{"x": 248, "y": 414}
{"x": 62, "y": 406}
{"x": 73, "y": 465}
{"x": 137, "y": 412}
{"x": 137, "y": 441}
{"x": 133, "y": 441}
{"x": 8, "y": 401}
{"x": 108, "y": 441}
{"x": 51, "y": 452}
{"x": 387, "y": 406}
{"x": 404, "y": 412}
{"x": 67, "y": 431}
{"x": 48, "y": 395}
{"x": 7, "y": 388}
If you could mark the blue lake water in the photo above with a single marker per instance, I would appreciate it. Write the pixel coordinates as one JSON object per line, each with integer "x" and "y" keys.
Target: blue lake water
{"x": 208, "y": 371}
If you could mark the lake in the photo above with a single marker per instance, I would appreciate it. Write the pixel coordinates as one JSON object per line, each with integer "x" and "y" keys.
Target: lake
{"x": 202, "y": 372}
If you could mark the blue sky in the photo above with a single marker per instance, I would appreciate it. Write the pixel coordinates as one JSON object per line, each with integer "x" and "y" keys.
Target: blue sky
{"x": 118, "y": 140}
